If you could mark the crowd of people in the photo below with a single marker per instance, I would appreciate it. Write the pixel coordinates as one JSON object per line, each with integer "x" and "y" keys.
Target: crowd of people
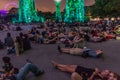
{"x": 73, "y": 37}
{"x": 78, "y": 72}
{"x": 16, "y": 45}
{"x": 10, "y": 72}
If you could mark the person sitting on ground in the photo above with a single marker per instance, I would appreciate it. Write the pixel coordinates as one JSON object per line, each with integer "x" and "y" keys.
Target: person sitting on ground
{"x": 38, "y": 37}
{"x": 16, "y": 74}
{"x": 83, "y": 73}
{"x": 7, "y": 67}
{"x": 18, "y": 28}
{"x": 32, "y": 34}
{"x": 85, "y": 52}
{"x": 26, "y": 42}
{"x": 1, "y": 45}
{"x": 18, "y": 46}
{"x": 21, "y": 36}
{"x": 52, "y": 39}
{"x": 9, "y": 41}
{"x": 76, "y": 42}
{"x": 99, "y": 38}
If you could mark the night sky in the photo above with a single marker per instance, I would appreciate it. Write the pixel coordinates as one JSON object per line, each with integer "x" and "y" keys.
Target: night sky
{"x": 43, "y": 5}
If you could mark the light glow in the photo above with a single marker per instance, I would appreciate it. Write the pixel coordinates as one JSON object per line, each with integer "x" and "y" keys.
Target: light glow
{"x": 74, "y": 11}
{"x": 10, "y": 4}
{"x": 58, "y": 12}
{"x": 57, "y": 0}
{"x": 28, "y": 12}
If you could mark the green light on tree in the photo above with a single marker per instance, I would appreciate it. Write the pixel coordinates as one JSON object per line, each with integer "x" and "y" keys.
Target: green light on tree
{"x": 58, "y": 12}
{"x": 74, "y": 11}
{"x": 28, "y": 12}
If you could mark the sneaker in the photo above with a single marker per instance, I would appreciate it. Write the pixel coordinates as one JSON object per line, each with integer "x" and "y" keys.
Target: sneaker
{"x": 59, "y": 48}
{"x": 100, "y": 55}
{"x": 29, "y": 61}
{"x": 39, "y": 73}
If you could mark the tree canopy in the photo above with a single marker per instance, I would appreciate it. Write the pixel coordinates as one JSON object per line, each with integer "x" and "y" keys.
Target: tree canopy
{"x": 105, "y": 8}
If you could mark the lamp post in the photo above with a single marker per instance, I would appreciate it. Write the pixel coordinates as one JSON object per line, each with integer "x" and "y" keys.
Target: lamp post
{"x": 58, "y": 12}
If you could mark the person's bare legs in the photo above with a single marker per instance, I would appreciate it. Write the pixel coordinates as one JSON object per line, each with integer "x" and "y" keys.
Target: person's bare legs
{"x": 76, "y": 76}
{"x": 65, "y": 50}
{"x": 64, "y": 68}
{"x": 99, "y": 52}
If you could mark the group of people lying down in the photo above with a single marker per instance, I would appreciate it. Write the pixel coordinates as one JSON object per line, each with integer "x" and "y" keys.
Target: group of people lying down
{"x": 85, "y": 52}
{"x": 10, "y": 72}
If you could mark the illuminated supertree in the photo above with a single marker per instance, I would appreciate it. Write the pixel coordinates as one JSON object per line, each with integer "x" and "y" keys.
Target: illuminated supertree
{"x": 58, "y": 12}
{"x": 28, "y": 12}
{"x": 74, "y": 11}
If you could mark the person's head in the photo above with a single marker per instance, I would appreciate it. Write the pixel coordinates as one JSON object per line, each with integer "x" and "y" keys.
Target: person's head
{"x": 25, "y": 35}
{"x": 21, "y": 34}
{"x": 6, "y": 59}
{"x": 113, "y": 76}
{"x": 105, "y": 73}
{"x": 17, "y": 39}
{"x": 8, "y": 34}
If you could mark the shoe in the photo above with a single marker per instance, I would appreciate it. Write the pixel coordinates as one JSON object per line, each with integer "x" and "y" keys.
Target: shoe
{"x": 59, "y": 48}
{"x": 29, "y": 61}
{"x": 99, "y": 55}
{"x": 54, "y": 64}
{"x": 39, "y": 73}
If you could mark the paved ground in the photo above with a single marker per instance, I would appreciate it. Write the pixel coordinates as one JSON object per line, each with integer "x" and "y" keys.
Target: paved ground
{"x": 41, "y": 55}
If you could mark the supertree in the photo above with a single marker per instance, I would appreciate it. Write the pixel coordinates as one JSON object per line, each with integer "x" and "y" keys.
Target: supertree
{"x": 74, "y": 11}
{"x": 28, "y": 12}
{"x": 58, "y": 12}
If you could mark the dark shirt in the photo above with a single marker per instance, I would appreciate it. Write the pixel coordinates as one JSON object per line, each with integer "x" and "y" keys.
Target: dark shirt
{"x": 7, "y": 67}
{"x": 11, "y": 78}
{"x": 97, "y": 77}
{"x": 85, "y": 73}
{"x": 9, "y": 42}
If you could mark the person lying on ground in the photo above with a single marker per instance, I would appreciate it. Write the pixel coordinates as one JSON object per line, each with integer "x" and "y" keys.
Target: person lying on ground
{"x": 15, "y": 74}
{"x": 83, "y": 73}
{"x": 85, "y": 52}
{"x": 1, "y": 45}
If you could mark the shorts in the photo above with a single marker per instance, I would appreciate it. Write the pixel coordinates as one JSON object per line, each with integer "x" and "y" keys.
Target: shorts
{"x": 76, "y": 51}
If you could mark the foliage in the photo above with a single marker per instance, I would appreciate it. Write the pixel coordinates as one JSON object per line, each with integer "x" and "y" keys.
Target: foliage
{"x": 105, "y": 8}
{"x": 47, "y": 15}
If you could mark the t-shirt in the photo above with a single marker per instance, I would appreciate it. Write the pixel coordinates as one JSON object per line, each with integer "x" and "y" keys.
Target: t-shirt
{"x": 97, "y": 77}
{"x": 12, "y": 78}
{"x": 7, "y": 67}
{"x": 85, "y": 73}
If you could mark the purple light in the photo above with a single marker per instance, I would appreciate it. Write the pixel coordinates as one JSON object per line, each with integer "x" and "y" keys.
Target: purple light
{"x": 3, "y": 12}
{"x": 10, "y": 4}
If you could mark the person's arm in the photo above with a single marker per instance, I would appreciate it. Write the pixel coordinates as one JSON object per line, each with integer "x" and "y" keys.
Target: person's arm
{"x": 2, "y": 70}
{"x": 54, "y": 39}
{"x": 79, "y": 40}
{"x": 7, "y": 74}
{"x": 94, "y": 74}
{"x": 5, "y": 41}
{"x": 4, "y": 76}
